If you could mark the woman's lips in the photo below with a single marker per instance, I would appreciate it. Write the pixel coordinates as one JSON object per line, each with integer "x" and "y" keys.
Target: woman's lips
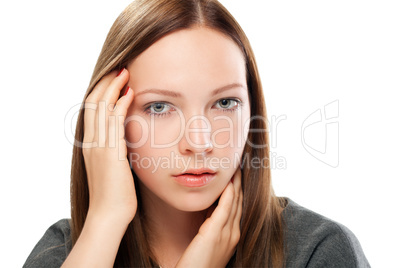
{"x": 194, "y": 180}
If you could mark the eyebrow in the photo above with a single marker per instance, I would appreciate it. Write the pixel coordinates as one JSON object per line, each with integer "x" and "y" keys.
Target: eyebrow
{"x": 174, "y": 94}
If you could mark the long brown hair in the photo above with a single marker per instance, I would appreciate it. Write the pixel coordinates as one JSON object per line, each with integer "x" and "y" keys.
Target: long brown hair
{"x": 140, "y": 25}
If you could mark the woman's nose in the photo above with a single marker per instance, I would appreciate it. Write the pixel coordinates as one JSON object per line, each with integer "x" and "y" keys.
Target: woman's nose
{"x": 197, "y": 136}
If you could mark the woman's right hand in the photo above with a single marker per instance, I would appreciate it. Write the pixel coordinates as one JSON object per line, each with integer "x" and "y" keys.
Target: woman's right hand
{"x": 112, "y": 198}
{"x": 110, "y": 181}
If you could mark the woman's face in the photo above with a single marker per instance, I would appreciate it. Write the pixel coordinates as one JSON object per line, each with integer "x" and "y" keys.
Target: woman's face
{"x": 190, "y": 111}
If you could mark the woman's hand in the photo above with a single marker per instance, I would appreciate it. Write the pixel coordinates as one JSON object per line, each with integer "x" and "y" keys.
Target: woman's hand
{"x": 110, "y": 181}
{"x": 112, "y": 198}
{"x": 218, "y": 236}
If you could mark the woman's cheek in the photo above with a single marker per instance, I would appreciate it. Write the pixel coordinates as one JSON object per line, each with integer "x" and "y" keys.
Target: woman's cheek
{"x": 152, "y": 132}
{"x": 228, "y": 133}
{"x": 136, "y": 132}
{"x": 222, "y": 133}
{"x": 166, "y": 132}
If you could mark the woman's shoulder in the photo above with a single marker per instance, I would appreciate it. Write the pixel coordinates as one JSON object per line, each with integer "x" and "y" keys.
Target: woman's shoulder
{"x": 53, "y": 248}
{"x": 312, "y": 240}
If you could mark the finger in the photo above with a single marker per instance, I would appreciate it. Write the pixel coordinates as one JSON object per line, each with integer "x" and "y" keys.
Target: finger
{"x": 222, "y": 212}
{"x": 211, "y": 209}
{"x": 112, "y": 92}
{"x": 101, "y": 123}
{"x": 95, "y": 95}
{"x": 237, "y": 181}
{"x": 235, "y": 232}
{"x": 239, "y": 210}
{"x": 91, "y": 105}
{"x": 238, "y": 207}
{"x": 89, "y": 121}
{"x": 237, "y": 191}
{"x": 120, "y": 113}
{"x": 124, "y": 102}
{"x": 106, "y": 106}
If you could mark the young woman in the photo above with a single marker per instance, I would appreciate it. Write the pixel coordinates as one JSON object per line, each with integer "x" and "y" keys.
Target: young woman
{"x": 168, "y": 167}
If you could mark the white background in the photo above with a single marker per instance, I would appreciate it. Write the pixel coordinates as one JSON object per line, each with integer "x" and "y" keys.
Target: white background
{"x": 310, "y": 53}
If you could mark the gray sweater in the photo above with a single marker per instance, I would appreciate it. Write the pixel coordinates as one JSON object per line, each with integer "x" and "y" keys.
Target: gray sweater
{"x": 311, "y": 240}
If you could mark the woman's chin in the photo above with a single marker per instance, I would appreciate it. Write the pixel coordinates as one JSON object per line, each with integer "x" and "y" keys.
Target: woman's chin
{"x": 195, "y": 204}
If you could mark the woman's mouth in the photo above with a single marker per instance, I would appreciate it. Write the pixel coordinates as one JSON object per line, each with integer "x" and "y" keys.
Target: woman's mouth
{"x": 195, "y": 178}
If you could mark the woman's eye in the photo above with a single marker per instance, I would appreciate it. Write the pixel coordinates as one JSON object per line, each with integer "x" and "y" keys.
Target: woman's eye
{"x": 158, "y": 108}
{"x": 164, "y": 109}
{"x": 228, "y": 104}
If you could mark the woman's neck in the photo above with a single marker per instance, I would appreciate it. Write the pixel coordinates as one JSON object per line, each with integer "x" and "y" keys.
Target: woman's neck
{"x": 169, "y": 230}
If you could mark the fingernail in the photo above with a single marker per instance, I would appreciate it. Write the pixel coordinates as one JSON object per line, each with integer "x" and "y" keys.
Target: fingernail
{"x": 120, "y": 72}
{"x": 125, "y": 93}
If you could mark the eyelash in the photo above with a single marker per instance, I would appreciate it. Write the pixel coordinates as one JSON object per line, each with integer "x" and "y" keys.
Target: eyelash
{"x": 237, "y": 105}
{"x": 148, "y": 108}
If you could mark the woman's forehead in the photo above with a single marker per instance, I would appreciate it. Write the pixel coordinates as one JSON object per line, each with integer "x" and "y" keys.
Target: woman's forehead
{"x": 199, "y": 58}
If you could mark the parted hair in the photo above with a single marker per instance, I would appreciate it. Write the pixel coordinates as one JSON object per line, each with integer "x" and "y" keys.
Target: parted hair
{"x": 139, "y": 26}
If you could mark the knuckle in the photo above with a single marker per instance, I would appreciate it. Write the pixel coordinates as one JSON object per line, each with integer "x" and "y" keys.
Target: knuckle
{"x": 90, "y": 99}
{"x": 227, "y": 208}
{"x": 205, "y": 226}
{"x": 236, "y": 235}
{"x": 88, "y": 146}
{"x": 111, "y": 107}
{"x": 216, "y": 239}
{"x": 233, "y": 189}
{"x": 86, "y": 152}
{"x": 225, "y": 236}
{"x": 236, "y": 197}
{"x": 90, "y": 104}
{"x": 119, "y": 110}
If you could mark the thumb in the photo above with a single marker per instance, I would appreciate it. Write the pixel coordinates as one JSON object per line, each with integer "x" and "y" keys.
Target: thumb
{"x": 212, "y": 208}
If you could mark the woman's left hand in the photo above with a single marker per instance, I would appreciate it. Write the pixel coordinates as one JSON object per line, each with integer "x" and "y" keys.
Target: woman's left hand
{"x": 218, "y": 236}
